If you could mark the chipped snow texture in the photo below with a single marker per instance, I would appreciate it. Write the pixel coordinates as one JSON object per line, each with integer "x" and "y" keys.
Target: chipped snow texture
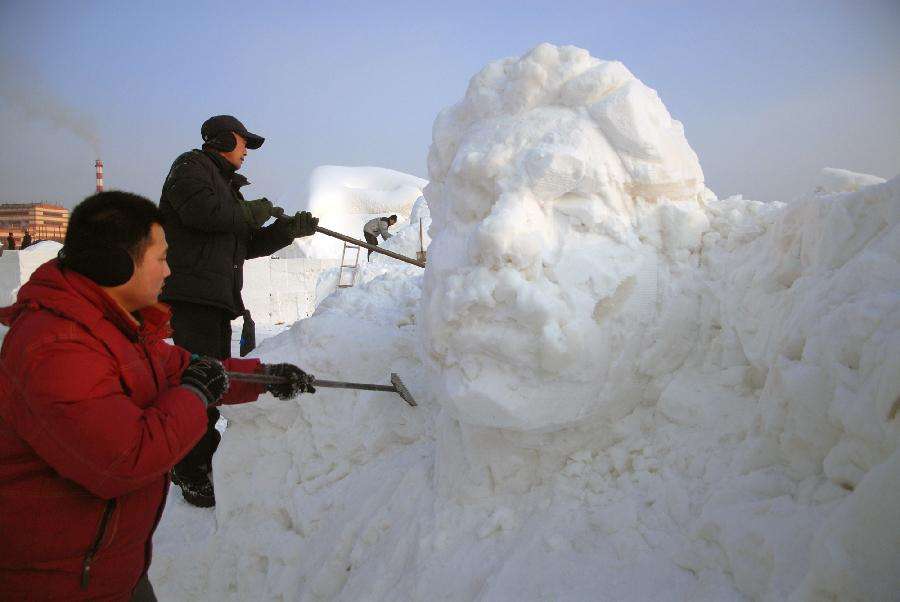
{"x": 814, "y": 302}
{"x": 565, "y": 201}
{"x": 811, "y": 291}
{"x": 287, "y": 459}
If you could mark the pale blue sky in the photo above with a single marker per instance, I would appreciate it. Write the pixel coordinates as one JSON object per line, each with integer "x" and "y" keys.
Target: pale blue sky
{"x": 769, "y": 92}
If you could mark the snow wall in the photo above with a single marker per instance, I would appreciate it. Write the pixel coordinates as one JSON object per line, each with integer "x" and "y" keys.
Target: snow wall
{"x": 276, "y": 289}
{"x": 282, "y": 290}
{"x": 16, "y": 267}
{"x": 628, "y": 389}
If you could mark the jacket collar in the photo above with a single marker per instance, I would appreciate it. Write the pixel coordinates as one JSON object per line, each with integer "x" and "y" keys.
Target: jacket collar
{"x": 220, "y": 162}
{"x": 73, "y": 296}
{"x": 227, "y": 170}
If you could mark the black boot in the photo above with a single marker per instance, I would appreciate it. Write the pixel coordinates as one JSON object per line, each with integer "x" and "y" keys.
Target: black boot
{"x": 196, "y": 488}
{"x": 192, "y": 473}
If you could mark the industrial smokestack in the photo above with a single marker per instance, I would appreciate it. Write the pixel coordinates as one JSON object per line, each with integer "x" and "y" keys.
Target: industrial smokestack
{"x": 99, "y": 165}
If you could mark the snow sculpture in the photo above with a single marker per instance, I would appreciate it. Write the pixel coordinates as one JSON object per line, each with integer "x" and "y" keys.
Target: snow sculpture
{"x": 559, "y": 186}
{"x": 567, "y": 283}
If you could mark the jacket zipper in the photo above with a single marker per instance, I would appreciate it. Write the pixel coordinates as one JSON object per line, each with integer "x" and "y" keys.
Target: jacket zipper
{"x": 89, "y": 557}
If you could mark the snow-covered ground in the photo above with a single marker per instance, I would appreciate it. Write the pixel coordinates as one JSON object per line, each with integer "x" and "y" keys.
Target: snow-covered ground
{"x": 628, "y": 389}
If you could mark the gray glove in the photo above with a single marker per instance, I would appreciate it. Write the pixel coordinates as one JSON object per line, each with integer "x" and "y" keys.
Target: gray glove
{"x": 257, "y": 212}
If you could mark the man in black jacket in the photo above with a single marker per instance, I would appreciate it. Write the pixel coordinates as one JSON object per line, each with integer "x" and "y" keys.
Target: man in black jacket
{"x": 211, "y": 230}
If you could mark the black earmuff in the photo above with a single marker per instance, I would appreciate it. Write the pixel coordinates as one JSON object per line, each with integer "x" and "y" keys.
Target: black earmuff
{"x": 105, "y": 265}
{"x": 223, "y": 141}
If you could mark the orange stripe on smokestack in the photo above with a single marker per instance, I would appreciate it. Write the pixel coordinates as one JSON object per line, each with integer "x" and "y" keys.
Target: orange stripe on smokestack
{"x": 99, "y": 165}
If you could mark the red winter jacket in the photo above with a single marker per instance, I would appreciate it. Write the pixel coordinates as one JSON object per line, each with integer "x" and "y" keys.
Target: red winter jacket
{"x": 91, "y": 421}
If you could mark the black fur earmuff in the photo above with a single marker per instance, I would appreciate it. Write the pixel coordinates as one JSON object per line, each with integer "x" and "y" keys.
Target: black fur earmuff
{"x": 104, "y": 231}
{"x": 105, "y": 265}
{"x": 222, "y": 141}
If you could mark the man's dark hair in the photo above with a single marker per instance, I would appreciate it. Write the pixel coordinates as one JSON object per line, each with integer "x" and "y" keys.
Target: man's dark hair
{"x": 113, "y": 219}
{"x": 107, "y": 234}
{"x": 393, "y": 218}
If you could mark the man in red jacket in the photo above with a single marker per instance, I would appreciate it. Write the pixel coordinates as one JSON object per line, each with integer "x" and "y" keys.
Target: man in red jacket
{"x": 95, "y": 409}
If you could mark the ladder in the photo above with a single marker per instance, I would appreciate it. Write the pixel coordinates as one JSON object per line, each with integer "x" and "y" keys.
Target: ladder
{"x": 352, "y": 268}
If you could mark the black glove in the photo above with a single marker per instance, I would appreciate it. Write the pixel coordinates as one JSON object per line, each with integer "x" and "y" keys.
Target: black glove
{"x": 302, "y": 224}
{"x": 257, "y": 212}
{"x": 206, "y": 376}
{"x": 300, "y": 381}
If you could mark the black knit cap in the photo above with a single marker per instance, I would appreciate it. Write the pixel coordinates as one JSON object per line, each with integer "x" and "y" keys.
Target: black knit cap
{"x": 219, "y": 124}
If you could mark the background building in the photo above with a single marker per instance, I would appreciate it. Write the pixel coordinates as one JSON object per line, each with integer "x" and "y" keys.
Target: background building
{"x": 43, "y": 220}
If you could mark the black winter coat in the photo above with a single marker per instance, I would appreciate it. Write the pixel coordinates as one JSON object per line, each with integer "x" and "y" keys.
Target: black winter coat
{"x": 208, "y": 233}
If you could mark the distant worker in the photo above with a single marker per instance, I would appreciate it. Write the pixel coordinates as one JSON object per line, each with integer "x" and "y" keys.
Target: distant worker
{"x": 377, "y": 226}
{"x": 211, "y": 230}
{"x": 26, "y": 240}
{"x": 96, "y": 408}
{"x": 11, "y": 242}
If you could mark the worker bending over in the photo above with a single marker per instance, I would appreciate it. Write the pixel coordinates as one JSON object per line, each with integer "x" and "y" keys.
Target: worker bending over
{"x": 377, "y": 226}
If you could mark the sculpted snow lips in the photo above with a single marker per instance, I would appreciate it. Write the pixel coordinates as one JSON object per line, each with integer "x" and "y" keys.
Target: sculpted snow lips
{"x": 563, "y": 195}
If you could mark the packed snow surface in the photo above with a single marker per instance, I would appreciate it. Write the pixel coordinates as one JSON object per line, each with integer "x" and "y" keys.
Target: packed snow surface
{"x": 841, "y": 180}
{"x": 281, "y": 290}
{"x": 16, "y": 267}
{"x": 628, "y": 389}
